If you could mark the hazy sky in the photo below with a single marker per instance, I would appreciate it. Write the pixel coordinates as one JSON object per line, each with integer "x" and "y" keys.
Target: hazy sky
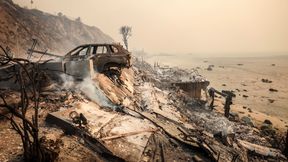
{"x": 208, "y": 27}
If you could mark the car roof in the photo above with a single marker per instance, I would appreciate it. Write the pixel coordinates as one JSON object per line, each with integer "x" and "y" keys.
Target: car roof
{"x": 95, "y": 44}
{"x": 99, "y": 44}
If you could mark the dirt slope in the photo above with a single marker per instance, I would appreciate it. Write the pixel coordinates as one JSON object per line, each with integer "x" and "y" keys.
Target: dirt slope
{"x": 56, "y": 33}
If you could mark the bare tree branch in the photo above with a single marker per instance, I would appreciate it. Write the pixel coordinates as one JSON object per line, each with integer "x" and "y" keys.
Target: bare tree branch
{"x": 28, "y": 77}
{"x": 126, "y": 32}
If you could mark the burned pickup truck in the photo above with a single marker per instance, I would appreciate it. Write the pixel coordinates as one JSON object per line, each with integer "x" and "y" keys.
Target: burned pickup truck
{"x": 85, "y": 59}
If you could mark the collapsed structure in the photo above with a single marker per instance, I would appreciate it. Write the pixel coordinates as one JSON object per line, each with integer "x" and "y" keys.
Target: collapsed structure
{"x": 146, "y": 113}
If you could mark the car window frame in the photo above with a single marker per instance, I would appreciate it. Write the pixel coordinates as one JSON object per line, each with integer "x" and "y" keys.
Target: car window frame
{"x": 112, "y": 50}
{"x": 107, "y": 50}
{"x": 76, "y": 54}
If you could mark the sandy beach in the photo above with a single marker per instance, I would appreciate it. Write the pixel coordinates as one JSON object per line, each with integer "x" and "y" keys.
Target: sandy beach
{"x": 244, "y": 76}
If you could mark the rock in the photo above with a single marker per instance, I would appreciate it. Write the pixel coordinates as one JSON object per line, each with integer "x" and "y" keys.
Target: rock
{"x": 266, "y": 81}
{"x": 250, "y": 110}
{"x": 271, "y": 100}
{"x": 244, "y": 107}
{"x": 209, "y": 68}
{"x": 245, "y": 96}
{"x": 267, "y": 129}
{"x": 223, "y": 85}
{"x": 247, "y": 121}
{"x": 234, "y": 116}
{"x": 273, "y": 90}
{"x": 272, "y": 64}
{"x": 266, "y": 121}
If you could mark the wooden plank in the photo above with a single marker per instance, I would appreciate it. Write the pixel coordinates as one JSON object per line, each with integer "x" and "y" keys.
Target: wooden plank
{"x": 262, "y": 150}
{"x": 127, "y": 134}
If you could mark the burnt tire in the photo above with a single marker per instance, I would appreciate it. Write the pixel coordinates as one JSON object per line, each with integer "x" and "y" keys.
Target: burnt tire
{"x": 114, "y": 73}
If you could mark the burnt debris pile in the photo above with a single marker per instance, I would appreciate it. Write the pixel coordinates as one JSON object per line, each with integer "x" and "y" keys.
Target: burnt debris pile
{"x": 137, "y": 113}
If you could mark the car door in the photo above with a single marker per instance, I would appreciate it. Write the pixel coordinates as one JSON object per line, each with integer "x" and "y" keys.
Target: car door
{"x": 76, "y": 62}
{"x": 101, "y": 56}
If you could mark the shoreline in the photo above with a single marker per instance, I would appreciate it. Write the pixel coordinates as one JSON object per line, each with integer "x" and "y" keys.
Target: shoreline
{"x": 257, "y": 117}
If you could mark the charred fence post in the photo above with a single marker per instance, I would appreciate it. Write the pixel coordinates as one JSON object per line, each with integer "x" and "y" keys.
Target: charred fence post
{"x": 212, "y": 95}
{"x": 228, "y": 102}
{"x": 228, "y": 99}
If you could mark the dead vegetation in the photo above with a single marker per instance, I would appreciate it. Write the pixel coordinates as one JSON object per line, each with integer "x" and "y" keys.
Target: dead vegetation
{"x": 28, "y": 78}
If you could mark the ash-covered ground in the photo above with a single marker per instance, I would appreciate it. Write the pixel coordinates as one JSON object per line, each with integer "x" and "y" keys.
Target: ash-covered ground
{"x": 140, "y": 118}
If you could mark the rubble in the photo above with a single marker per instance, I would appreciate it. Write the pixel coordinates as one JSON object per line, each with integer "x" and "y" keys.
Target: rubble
{"x": 248, "y": 121}
{"x": 267, "y": 129}
{"x": 286, "y": 145}
{"x": 155, "y": 113}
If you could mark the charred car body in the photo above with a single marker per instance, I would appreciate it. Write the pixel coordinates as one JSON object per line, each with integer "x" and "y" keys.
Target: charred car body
{"x": 104, "y": 56}
{"x": 83, "y": 60}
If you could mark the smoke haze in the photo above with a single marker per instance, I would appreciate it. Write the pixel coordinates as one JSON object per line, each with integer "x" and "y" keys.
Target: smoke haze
{"x": 88, "y": 87}
{"x": 203, "y": 28}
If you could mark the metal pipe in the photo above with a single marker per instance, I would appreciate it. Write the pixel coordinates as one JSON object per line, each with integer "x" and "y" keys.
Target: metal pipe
{"x": 44, "y": 53}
